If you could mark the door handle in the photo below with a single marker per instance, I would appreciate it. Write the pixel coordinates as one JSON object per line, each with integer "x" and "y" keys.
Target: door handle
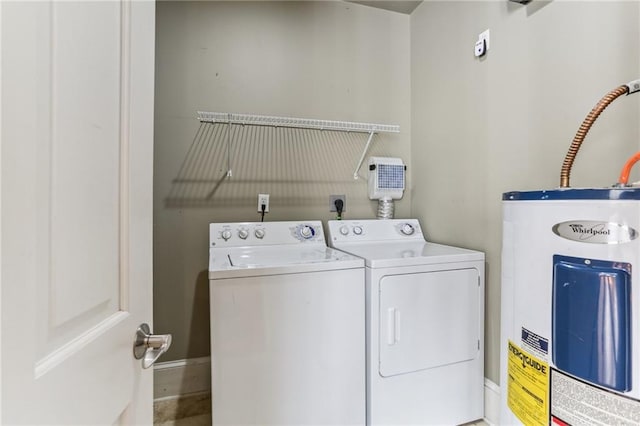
{"x": 149, "y": 347}
{"x": 393, "y": 326}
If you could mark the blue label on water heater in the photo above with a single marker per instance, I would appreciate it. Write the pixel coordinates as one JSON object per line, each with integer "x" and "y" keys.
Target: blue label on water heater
{"x": 536, "y": 342}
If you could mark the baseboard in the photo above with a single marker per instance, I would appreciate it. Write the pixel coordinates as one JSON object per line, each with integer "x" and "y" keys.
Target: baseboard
{"x": 491, "y": 402}
{"x": 174, "y": 379}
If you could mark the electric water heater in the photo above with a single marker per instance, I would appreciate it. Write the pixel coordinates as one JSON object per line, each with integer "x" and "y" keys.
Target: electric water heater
{"x": 570, "y": 324}
{"x": 570, "y": 343}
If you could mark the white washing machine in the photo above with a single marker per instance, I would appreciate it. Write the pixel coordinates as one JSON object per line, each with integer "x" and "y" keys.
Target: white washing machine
{"x": 287, "y": 326}
{"x": 425, "y": 320}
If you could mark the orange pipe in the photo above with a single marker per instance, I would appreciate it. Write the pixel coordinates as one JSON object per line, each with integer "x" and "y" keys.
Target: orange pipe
{"x": 624, "y": 174}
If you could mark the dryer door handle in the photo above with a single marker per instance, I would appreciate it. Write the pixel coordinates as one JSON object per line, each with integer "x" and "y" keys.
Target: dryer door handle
{"x": 393, "y": 326}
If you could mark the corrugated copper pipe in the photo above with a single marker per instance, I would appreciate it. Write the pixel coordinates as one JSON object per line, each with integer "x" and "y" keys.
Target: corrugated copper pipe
{"x": 584, "y": 129}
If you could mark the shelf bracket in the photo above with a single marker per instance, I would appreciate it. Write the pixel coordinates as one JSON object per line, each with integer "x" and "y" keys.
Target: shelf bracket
{"x": 229, "y": 171}
{"x": 356, "y": 176}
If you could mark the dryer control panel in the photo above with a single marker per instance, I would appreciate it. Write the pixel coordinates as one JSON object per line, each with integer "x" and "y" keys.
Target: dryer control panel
{"x": 375, "y": 230}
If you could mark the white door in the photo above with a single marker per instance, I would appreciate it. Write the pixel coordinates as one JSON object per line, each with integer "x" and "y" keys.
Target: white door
{"x": 76, "y": 152}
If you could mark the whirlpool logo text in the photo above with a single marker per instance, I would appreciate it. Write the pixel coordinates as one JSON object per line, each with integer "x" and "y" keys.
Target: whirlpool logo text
{"x": 591, "y": 231}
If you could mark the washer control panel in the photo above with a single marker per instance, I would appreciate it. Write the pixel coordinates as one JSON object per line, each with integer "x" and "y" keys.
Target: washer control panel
{"x": 375, "y": 230}
{"x": 305, "y": 232}
{"x": 264, "y": 233}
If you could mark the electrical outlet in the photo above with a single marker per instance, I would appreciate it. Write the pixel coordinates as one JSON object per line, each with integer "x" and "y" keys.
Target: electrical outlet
{"x": 483, "y": 44}
{"x": 332, "y": 202}
{"x": 263, "y": 199}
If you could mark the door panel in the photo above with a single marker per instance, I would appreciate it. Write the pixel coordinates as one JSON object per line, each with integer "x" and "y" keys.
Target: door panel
{"x": 76, "y": 178}
{"x": 83, "y": 164}
{"x": 428, "y": 320}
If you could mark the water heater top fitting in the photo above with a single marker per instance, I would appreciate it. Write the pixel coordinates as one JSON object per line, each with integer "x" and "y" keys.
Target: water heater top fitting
{"x": 625, "y": 89}
{"x": 386, "y": 178}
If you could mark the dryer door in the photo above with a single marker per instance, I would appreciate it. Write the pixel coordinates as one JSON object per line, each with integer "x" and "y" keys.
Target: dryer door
{"x": 428, "y": 319}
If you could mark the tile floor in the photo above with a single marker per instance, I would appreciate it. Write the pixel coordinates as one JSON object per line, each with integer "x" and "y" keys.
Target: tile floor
{"x": 205, "y": 420}
{"x": 195, "y": 410}
{"x": 188, "y": 410}
{"x": 201, "y": 420}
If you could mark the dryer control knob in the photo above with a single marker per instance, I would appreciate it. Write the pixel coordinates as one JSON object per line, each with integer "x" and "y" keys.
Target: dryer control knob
{"x": 226, "y": 234}
{"x": 243, "y": 233}
{"x": 259, "y": 233}
{"x": 307, "y": 232}
{"x": 357, "y": 230}
{"x": 344, "y": 230}
{"x": 407, "y": 229}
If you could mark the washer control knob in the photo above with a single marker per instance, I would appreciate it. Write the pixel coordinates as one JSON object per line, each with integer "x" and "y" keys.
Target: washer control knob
{"x": 407, "y": 229}
{"x": 344, "y": 230}
{"x": 357, "y": 230}
{"x": 243, "y": 233}
{"x": 226, "y": 234}
{"x": 259, "y": 233}
{"x": 307, "y": 232}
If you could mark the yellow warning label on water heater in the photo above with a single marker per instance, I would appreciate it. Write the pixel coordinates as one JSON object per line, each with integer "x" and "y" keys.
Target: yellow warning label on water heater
{"x": 527, "y": 386}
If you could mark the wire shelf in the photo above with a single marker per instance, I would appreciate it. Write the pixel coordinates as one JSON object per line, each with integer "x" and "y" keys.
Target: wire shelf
{"x": 233, "y": 156}
{"x": 300, "y": 123}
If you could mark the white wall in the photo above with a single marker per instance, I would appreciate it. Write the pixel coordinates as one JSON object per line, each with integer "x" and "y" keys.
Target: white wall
{"x": 326, "y": 60}
{"x": 483, "y": 127}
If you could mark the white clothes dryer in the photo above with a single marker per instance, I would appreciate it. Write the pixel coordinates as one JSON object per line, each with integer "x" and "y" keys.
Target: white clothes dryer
{"x": 287, "y": 326}
{"x": 425, "y": 323}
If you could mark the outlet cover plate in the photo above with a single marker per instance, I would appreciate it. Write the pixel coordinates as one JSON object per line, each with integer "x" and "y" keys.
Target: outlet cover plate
{"x": 332, "y": 200}
{"x": 263, "y": 199}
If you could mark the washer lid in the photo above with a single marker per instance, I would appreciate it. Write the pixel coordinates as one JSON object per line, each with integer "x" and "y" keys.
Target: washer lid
{"x": 390, "y": 254}
{"x": 273, "y": 260}
{"x": 281, "y": 256}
